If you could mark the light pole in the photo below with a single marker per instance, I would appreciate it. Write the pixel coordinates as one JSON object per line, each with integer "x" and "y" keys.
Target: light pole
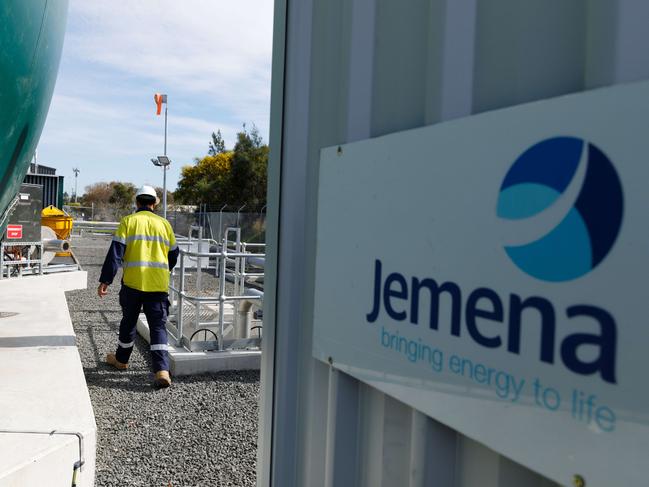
{"x": 76, "y": 173}
{"x": 163, "y": 160}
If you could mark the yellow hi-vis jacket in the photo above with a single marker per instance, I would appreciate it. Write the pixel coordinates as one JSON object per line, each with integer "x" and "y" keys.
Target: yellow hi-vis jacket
{"x": 148, "y": 239}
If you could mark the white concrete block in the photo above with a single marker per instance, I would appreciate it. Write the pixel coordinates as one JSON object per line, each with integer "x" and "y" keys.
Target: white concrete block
{"x": 63, "y": 281}
{"x": 37, "y": 460}
{"x": 191, "y": 363}
{"x": 43, "y": 386}
{"x": 183, "y": 362}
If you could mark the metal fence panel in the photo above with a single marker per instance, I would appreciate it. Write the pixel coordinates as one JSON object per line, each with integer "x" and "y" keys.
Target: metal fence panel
{"x": 253, "y": 225}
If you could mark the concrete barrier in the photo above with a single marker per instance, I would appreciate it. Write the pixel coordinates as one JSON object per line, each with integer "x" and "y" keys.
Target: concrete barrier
{"x": 47, "y": 425}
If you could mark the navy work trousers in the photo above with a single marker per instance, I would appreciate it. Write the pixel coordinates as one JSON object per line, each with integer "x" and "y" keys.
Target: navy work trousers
{"x": 156, "y": 309}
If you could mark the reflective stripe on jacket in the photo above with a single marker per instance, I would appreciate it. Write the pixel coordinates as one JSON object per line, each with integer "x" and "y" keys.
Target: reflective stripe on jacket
{"x": 148, "y": 239}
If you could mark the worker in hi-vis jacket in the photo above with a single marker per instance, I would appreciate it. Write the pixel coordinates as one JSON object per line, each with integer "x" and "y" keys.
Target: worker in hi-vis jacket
{"x": 145, "y": 246}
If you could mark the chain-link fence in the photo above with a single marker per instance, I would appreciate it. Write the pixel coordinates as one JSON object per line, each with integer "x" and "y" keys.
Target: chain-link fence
{"x": 98, "y": 213}
{"x": 80, "y": 213}
{"x": 217, "y": 218}
{"x": 253, "y": 225}
{"x": 181, "y": 221}
{"x": 215, "y": 223}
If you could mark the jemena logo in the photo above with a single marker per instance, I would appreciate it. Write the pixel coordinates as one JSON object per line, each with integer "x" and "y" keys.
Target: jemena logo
{"x": 585, "y": 235}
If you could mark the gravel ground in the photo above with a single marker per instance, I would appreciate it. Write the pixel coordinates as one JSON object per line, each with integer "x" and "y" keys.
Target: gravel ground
{"x": 202, "y": 431}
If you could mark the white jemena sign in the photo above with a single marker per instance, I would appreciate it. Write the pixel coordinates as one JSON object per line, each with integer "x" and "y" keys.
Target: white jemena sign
{"x": 493, "y": 272}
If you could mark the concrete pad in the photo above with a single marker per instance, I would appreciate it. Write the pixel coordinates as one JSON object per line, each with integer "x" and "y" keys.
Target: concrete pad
{"x": 35, "y": 459}
{"x": 46, "y": 418}
{"x": 183, "y": 362}
{"x": 64, "y": 281}
{"x": 190, "y": 363}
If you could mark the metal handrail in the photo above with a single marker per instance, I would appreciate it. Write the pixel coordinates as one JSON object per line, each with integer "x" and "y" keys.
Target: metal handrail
{"x": 217, "y": 300}
{"x": 224, "y": 256}
{"x": 219, "y": 254}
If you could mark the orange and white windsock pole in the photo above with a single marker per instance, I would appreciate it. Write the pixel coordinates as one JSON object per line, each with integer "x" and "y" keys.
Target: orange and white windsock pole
{"x": 159, "y": 100}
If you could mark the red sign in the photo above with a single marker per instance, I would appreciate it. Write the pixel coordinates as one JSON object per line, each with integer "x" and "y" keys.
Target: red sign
{"x": 14, "y": 231}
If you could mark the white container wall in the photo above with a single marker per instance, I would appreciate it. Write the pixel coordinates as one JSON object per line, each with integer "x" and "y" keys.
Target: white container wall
{"x": 347, "y": 70}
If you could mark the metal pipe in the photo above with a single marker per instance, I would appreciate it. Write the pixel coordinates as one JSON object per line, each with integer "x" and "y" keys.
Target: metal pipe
{"x": 216, "y": 300}
{"x": 255, "y": 274}
{"x": 219, "y": 254}
{"x": 220, "y": 237}
{"x": 164, "y": 172}
{"x": 244, "y": 311}
{"x": 237, "y": 287}
{"x": 199, "y": 276}
{"x": 257, "y": 261}
{"x": 181, "y": 297}
{"x": 239, "y": 212}
{"x": 53, "y": 432}
{"x": 243, "y": 315}
{"x": 197, "y": 320}
{"x": 56, "y": 245}
{"x": 251, "y": 296}
{"x": 84, "y": 223}
{"x": 254, "y": 294}
{"x": 221, "y": 301}
{"x": 165, "y": 147}
{"x": 237, "y": 274}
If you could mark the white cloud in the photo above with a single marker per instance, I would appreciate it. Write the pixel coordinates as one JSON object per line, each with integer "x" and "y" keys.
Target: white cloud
{"x": 218, "y": 49}
{"x": 212, "y": 58}
{"x": 112, "y": 142}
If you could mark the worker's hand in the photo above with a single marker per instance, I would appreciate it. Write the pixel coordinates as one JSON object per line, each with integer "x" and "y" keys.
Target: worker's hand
{"x": 102, "y": 290}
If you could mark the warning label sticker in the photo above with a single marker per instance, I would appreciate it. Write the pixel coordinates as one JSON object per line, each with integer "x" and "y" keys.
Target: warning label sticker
{"x": 14, "y": 231}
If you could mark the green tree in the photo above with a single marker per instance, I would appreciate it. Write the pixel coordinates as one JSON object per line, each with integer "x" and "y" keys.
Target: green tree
{"x": 249, "y": 169}
{"x": 217, "y": 146}
{"x": 111, "y": 200}
{"x": 207, "y": 181}
{"x": 170, "y": 195}
{"x": 236, "y": 177}
{"x": 123, "y": 195}
{"x": 97, "y": 193}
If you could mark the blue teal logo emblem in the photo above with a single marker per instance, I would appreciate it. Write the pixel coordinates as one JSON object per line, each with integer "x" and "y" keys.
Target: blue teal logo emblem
{"x": 584, "y": 236}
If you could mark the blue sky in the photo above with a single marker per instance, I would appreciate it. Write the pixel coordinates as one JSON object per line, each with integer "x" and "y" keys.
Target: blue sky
{"x": 211, "y": 57}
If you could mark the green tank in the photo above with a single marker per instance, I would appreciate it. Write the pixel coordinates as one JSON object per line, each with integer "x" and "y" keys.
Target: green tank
{"x": 31, "y": 41}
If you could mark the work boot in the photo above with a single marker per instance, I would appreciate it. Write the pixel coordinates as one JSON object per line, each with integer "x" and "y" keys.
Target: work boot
{"x": 112, "y": 360}
{"x": 162, "y": 378}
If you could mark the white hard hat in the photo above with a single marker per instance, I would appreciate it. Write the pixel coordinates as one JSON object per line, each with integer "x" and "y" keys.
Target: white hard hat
{"x": 147, "y": 190}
